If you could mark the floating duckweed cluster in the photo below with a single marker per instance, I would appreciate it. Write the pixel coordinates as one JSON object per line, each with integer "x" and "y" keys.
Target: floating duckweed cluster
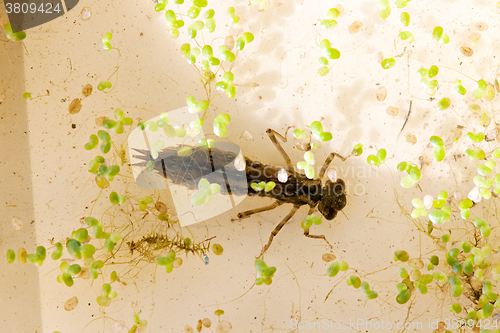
{"x": 90, "y": 247}
{"x": 406, "y": 35}
{"x": 220, "y": 124}
{"x": 357, "y": 150}
{"x": 465, "y": 270}
{"x": 469, "y": 270}
{"x": 484, "y": 90}
{"x": 308, "y": 164}
{"x": 385, "y": 9}
{"x": 317, "y": 131}
{"x": 265, "y": 273}
{"x": 263, "y": 186}
{"x": 467, "y": 266}
{"x": 439, "y": 35}
{"x": 170, "y": 261}
{"x": 138, "y": 322}
{"x": 354, "y": 281}
{"x": 439, "y": 150}
{"x": 330, "y": 53}
{"x": 444, "y": 103}
{"x": 227, "y": 84}
{"x": 377, "y": 159}
{"x": 309, "y": 221}
{"x": 14, "y": 36}
{"x": 104, "y": 85}
{"x": 330, "y": 22}
{"x": 413, "y": 175}
{"x": 405, "y": 18}
{"x": 304, "y": 142}
{"x": 427, "y": 74}
{"x": 205, "y": 191}
{"x": 118, "y": 124}
{"x": 105, "y": 42}
{"x": 211, "y": 66}
{"x": 336, "y": 267}
{"x": 388, "y": 63}
{"x": 11, "y": 256}
{"x": 460, "y": 88}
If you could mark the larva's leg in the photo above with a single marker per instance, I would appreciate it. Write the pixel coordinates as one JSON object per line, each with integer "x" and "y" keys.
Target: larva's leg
{"x": 328, "y": 160}
{"x": 247, "y": 213}
{"x": 277, "y": 229}
{"x": 306, "y": 233}
{"x": 272, "y": 135}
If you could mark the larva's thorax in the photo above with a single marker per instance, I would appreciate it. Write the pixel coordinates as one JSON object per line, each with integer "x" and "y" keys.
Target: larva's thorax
{"x": 297, "y": 189}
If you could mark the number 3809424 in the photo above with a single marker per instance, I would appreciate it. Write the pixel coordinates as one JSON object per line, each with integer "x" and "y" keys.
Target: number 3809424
{"x": 24, "y": 8}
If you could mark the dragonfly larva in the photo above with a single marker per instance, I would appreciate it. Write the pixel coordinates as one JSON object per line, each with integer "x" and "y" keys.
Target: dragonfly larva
{"x": 291, "y": 186}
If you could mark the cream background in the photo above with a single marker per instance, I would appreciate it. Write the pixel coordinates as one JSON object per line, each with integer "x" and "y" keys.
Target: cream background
{"x": 43, "y": 167}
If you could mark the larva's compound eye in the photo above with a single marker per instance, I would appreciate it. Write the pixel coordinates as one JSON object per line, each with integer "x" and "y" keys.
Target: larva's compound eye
{"x": 334, "y": 199}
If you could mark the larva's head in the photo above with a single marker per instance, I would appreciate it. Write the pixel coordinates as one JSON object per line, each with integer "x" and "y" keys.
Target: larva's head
{"x": 333, "y": 200}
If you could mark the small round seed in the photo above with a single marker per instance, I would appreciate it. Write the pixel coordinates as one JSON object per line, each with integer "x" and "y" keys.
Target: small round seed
{"x": 381, "y": 93}
{"x": 392, "y": 111}
{"x": 410, "y": 138}
{"x": 475, "y": 37}
{"x": 75, "y": 106}
{"x": 87, "y": 90}
{"x": 466, "y": 51}
{"x": 355, "y": 27}
{"x": 481, "y": 26}
{"x": 71, "y": 303}
{"x": 327, "y": 257}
